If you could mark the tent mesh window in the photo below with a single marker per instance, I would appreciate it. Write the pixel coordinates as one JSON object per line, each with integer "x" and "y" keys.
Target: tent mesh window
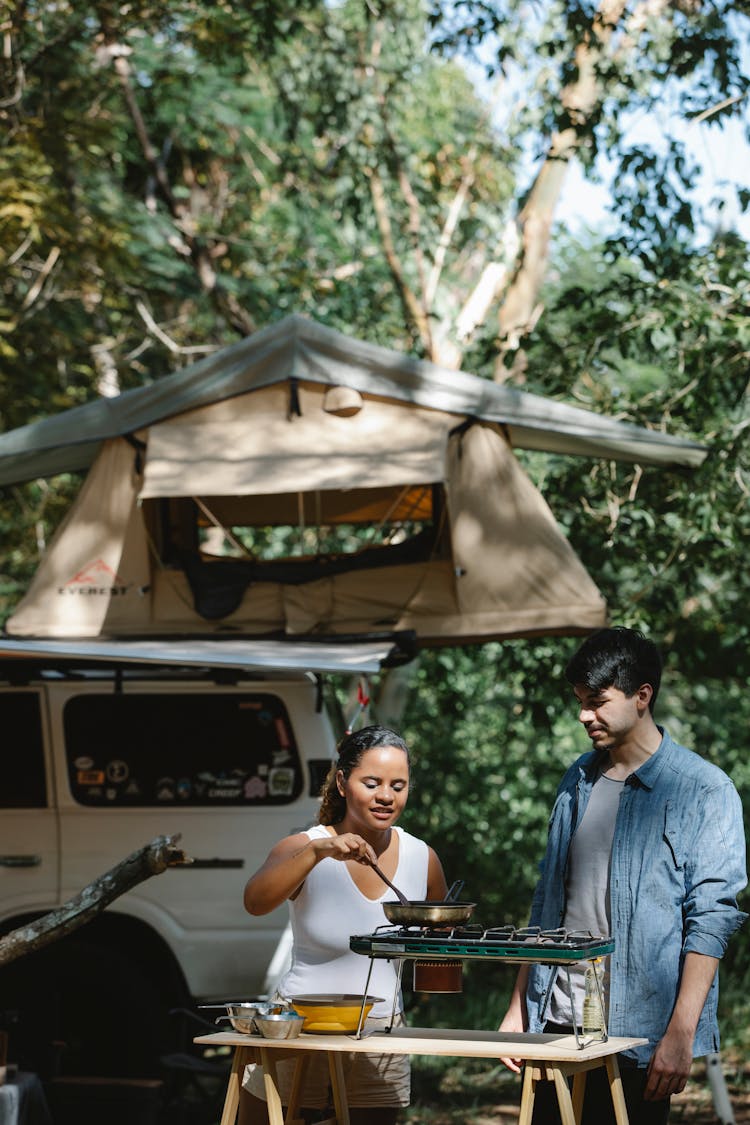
{"x": 225, "y": 543}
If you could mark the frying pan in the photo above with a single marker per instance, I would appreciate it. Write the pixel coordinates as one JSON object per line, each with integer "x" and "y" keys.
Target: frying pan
{"x": 439, "y": 913}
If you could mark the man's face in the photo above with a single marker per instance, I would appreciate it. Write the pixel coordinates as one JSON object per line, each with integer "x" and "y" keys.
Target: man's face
{"x": 609, "y": 715}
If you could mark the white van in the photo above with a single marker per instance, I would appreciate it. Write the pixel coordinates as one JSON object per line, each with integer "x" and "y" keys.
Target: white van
{"x": 107, "y": 747}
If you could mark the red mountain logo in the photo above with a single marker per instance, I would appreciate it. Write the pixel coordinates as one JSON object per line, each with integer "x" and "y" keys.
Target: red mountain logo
{"x": 96, "y": 574}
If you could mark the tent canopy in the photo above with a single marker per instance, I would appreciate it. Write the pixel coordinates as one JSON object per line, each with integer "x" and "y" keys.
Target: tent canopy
{"x": 246, "y": 655}
{"x": 298, "y": 349}
{"x": 302, "y": 484}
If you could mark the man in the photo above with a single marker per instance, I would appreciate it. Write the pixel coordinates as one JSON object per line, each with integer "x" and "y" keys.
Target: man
{"x": 646, "y": 843}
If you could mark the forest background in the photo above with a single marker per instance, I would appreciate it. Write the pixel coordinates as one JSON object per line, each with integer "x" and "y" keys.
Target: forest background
{"x": 174, "y": 176}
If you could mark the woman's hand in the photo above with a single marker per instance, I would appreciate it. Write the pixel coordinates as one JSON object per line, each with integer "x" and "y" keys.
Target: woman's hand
{"x": 346, "y": 846}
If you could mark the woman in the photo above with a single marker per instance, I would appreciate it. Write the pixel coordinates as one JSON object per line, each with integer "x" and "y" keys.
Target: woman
{"x": 326, "y": 875}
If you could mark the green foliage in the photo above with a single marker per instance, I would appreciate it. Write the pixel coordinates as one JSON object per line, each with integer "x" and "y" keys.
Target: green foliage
{"x": 493, "y": 728}
{"x": 173, "y": 175}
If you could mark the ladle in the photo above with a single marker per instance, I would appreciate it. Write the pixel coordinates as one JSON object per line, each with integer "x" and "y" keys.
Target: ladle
{"x": 401, "y": 897}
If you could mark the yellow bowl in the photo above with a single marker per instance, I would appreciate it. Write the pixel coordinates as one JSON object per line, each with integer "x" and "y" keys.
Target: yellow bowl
{"x": 332, "y": 1014}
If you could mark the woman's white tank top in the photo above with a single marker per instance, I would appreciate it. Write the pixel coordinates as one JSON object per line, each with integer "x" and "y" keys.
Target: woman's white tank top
{"x": 330, "y": 909}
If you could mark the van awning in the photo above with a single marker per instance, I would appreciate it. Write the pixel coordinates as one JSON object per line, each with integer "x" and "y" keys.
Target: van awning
{"x": 250, "y": 655}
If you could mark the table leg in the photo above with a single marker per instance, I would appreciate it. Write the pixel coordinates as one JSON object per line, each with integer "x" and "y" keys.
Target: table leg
{"x": 232, "y": 1099}
{"x": 302, "y": 1062}
{"x": 579, "y": 1092}
{"x": 564, "y": 1100}
{"x": 271, "y": 1084}
{"x": 340, "y": 1103}
{"x": 531, "y": 1075}
{"x": 615, "y": 1086}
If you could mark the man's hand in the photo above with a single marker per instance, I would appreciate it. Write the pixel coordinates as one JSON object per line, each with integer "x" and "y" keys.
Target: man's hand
{"x": 670, "y": 1064}
{"x": 512, "y": 1022}
{"x": 669, "y": 1068}
{"x": 515, "y": 1019}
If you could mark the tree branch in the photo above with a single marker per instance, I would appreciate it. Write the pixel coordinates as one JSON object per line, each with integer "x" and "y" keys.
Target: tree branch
{"x": 535, "y": 220}
{"x": 227, "y": 303}
{"x": 411, "y": 303}
{"x": 449, "y": 226}
{"x": 156, "y": 857}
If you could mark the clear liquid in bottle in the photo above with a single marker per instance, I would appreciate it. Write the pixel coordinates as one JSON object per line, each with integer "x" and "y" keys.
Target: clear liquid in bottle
{"x": 593, "y": 1025}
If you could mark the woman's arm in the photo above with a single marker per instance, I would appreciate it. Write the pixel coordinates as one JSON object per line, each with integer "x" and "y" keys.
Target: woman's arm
{"x": 437, "y": 888}
{"x": 291, "y": 861}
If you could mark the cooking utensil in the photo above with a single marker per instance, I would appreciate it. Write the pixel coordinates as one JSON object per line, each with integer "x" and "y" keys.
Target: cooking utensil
{"x": 242, "y": 1017}
{"x": 333, "y": 1014}
{"x": 280, "y": 1025}
{"x": 454, "y": 891}
{"x": 399, "y": 895}
{"x": 428, "y": 913}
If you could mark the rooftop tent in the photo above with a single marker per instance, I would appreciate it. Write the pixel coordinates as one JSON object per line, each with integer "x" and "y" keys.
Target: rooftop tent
{"x": 230, "y": 498}
{"x": 297, "y": 348}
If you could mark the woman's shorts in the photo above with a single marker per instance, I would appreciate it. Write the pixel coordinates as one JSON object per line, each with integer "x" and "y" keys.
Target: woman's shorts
{"x": 371, "y": 1080}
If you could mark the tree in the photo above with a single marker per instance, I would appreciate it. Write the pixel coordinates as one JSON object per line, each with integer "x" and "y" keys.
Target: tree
{"x": 173, "y": 175}
{"x": 151, "y": 860}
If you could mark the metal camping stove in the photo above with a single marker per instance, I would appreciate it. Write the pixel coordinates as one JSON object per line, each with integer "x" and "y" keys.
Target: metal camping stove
{"x": 474, "y": 942}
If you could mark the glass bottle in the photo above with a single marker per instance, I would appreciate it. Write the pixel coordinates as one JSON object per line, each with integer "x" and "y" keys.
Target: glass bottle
{"x": 593, "y": 1025}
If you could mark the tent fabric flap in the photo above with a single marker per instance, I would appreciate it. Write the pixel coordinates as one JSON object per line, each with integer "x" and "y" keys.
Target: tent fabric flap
{"x": 511, "y": 559}
{"x": 96, "y": 573}
{"x": 254, "y": 445}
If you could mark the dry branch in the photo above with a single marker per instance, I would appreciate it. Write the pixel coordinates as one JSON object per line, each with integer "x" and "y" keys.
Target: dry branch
{"x": 156, "y": 857}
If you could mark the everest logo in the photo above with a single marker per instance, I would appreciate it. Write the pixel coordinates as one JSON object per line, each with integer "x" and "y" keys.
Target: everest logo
{"x": 95, "y": 578}
{"x": 95, "y": 574}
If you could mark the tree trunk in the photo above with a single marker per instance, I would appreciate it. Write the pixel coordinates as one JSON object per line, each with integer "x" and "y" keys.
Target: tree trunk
{"x": 518, "y": 312}
{"x": 156, "y": 857}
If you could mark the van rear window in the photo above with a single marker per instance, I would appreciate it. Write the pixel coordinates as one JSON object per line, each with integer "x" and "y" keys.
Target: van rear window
{"x": 156, "y": 749}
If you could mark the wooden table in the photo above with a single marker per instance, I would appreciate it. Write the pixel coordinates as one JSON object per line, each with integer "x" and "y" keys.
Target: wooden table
{"x": 547, "y": 1057}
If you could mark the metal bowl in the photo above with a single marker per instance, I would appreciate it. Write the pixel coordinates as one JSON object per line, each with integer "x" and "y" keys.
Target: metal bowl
{"x": 242, "y": 1017}
{"x": 241, "y": 1013}
{"x": 333, "y": 1013}
{"x": 279, "y": 1025}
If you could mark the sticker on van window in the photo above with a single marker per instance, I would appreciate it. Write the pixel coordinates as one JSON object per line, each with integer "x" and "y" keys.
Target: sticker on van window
{"x": 184, "y": 788}
{"x": 90, "y": 777}
{"x": 117, "y": 771}
{"x": 281, "y": 782}
{"x": 255, "y": 789}
{"x": 225, "y": 788}
{"x": 282, "y": 734}
{"x": 165, "y": 789}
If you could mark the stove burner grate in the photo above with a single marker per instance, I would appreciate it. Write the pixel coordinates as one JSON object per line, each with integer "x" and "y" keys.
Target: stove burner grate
{"x": 474, "y": 941}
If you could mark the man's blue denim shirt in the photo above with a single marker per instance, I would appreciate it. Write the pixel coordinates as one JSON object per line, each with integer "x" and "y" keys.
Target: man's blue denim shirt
{"x": 677, "y": 866}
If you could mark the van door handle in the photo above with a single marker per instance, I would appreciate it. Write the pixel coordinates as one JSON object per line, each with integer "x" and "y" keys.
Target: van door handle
{"x": 20, "y": 860}
{"x": 209, "y": 863}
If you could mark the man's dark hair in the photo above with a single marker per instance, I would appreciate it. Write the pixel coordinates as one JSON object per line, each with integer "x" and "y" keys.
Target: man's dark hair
{"x": 618, "y": 657}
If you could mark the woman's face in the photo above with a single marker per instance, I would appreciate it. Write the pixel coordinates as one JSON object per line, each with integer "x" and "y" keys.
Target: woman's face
{"x": 376, "y": 790}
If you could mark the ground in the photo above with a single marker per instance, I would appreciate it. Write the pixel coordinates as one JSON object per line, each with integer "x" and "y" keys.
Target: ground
{"x": 478, "y": 1096}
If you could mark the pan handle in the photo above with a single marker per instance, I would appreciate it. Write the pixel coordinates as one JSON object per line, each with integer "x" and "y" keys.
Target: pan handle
{"x": 454, "y": 891}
